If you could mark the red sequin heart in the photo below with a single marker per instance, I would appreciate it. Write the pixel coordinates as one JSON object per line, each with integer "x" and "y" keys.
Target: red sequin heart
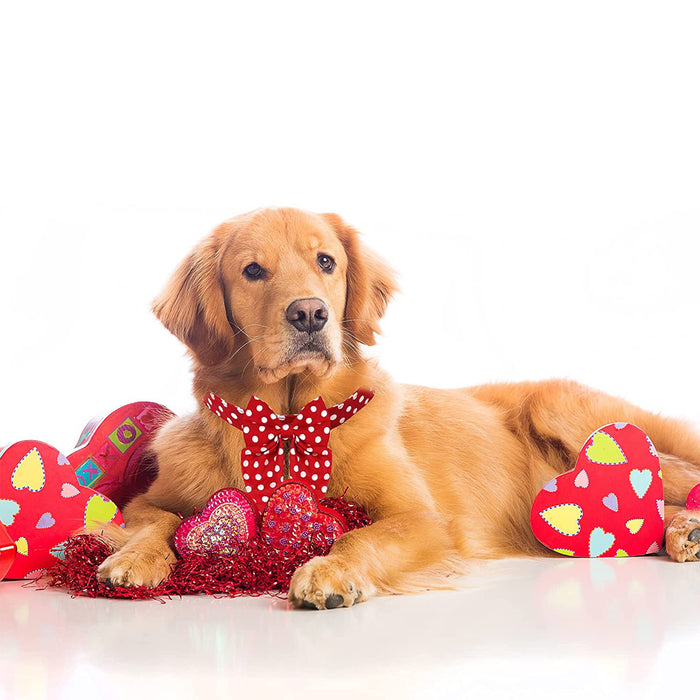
{"x": 294, "y": 517}
{"x": 227, "y": 521}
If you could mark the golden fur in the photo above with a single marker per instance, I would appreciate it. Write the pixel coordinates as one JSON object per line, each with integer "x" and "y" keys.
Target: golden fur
{"x": 441, "y": 491}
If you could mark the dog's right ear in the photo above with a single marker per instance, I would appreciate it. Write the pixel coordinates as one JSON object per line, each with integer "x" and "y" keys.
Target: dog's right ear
{"x": 192, "y": 305}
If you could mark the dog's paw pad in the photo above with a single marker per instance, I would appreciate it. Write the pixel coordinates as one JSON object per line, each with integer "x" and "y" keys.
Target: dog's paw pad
{"x": 322, "y": 584}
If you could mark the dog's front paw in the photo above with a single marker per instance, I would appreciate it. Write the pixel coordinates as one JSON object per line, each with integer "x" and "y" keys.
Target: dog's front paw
{"x": 683, "y": 536}
{"x": 131, "y": 567}
{"x": 324, "y": 583}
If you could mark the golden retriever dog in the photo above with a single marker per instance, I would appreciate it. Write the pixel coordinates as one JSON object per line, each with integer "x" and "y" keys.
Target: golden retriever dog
{"x": 278, "y": 303}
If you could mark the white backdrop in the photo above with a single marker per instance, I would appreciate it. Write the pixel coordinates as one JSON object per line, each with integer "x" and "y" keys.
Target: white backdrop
{"x": 531, "y": 169}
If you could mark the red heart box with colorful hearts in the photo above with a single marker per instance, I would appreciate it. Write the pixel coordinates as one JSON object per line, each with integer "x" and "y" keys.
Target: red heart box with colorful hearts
{"x": 111, "y": 455}
{"x": 612, "y": 502}
{"x": 42, "y": 505}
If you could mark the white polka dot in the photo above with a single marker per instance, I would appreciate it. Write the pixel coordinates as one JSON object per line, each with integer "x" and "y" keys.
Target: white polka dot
{"x": 299, "y": 415}
{"x": 314, "y": 477}
{"x": 248, "y": 488}
{"x": 258, "y": 407}
{"x": 269, "y": 473}
{"x": 296, "y": 467}
{"x": 277, "y": 468}
{"x": 248, "y": 452}
{"x": 272, "y": 416}
{"x": 273, "y": 484}
{"x": 318, "y": 438}
{"x": 258, "y": 477}
{"x": 260, "y": 487}
{"x": 255, "y": 464}
{"x": 246, "y": 429}
{"x": 302, "y": 474}
{"x": 326, "y": 476}
{"x": 367, "y": 400}
{"x": 280, "y": 451}
{"x": 261, "y": 428}
{"x": 263, "y": 419}
{"x": 270, "y": 436}
{"x": 246, "y": 476}
{"x": 348, "y": 409}
{"x": 249, "y": 412}
{"x": 354, "y": 396}
{"x": 317, "y": 464}
{"x": 354, "y": 410}
{"x": 245, "y": 462}
{"x": 324, "y": 413}
{"x": 309, "y": 420}
{"x": 324, "y": 489}
{"x": 291, "y": 451}
{"x": 302, "y": 436}
{"x": 313, "y": 409}
{"x": 333, "y": 417}
{"x": 328, "y": 462}
{"x": 325, "y": 452}
{"x": 240, "y": 410}
{"x": 342, "y": 420}
{"x": 234, "y": 416}
{"x": 255, "y": 438}
{"x": 339, "y": 406}
{"x": 326, "y": 430}
{"x": 311, "y": 428}
{"x": 228, "y": 418}
{"x": 265, "y": 499}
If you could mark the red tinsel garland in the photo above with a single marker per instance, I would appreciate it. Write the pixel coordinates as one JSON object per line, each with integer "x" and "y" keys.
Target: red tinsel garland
{"x": 256, "y": 570}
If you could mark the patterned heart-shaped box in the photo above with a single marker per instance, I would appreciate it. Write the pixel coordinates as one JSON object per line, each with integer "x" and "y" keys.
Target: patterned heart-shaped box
{"x": 111, "y": 456}
{"x": 611, "y": 503}
{"x": 42, "y": 504}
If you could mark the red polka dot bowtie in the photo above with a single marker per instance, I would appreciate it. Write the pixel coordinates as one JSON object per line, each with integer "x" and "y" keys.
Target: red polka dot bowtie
{"x": 307, "y": 434}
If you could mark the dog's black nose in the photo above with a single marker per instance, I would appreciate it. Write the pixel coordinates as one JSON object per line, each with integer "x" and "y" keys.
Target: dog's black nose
{"x": 307, "y": 315}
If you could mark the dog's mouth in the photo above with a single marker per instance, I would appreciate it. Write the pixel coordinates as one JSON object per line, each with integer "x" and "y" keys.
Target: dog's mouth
{"x": 303, "y": 353}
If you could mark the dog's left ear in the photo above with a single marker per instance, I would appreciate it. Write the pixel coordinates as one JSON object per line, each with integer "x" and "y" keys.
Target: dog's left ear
{"x": 192, "y": 305}
{"x": 370, "y": 284}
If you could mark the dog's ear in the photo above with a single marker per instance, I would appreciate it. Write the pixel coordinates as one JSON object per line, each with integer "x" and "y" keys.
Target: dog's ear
{"x": 370, "y": 284}
{"x": 192, "y": 305}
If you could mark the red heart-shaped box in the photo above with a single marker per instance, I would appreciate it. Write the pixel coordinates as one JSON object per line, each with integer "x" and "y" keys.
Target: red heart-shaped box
{"x": 42, "y": 504}
{"x": 110, "y": 455}
{"x": 612, "y": 502}
{"x": 228, "y": 520}
{"x": 293, "y": 516}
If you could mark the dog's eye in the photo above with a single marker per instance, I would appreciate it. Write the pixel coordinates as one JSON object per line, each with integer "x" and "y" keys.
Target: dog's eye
{"x": 326, "y": 262}
{"x": 253, "y": 271}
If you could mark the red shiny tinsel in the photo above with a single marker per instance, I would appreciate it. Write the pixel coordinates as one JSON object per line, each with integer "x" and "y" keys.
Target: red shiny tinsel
{"x": 256, "y": 570}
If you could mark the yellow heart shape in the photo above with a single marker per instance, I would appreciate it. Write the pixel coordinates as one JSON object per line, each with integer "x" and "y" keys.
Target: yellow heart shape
{"x": 567, "y": 552}
{"x": 22, "y": 547}
{"x": 98, "y": 511}
{"x": 564, "y": 518}
{"x": 635, "y": 525}
{"x": 621, "y": 553}
{"x": 29, "y": 473}
{"x": 604, "y": 450}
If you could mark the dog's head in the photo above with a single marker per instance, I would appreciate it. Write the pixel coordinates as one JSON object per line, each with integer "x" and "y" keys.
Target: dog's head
{"x": 294, "y": 290}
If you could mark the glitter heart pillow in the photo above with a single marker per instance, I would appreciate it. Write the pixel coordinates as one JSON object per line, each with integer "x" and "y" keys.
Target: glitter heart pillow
{"x": 611, "y": 504}
{"x": 42, "y": 505}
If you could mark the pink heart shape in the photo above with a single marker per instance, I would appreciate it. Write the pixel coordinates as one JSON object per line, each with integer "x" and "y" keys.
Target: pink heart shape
{"x": 227, "y": 521}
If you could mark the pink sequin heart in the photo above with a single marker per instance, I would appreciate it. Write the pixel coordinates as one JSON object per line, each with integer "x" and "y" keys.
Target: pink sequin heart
{"x": 293, "y": 517}
{"x": 227, "y": 521}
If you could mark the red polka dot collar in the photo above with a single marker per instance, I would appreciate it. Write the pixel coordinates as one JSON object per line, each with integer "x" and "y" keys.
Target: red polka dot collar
{"x": 264, "y": 431}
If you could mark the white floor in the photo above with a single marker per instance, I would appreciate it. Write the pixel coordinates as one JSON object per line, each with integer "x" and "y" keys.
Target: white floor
{"x": 520, "y": 628}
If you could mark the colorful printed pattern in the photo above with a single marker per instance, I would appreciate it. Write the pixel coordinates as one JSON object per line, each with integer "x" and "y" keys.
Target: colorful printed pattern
{"x": 109, "y": 456}
{"x": 42, "y": 504}
{"x": 610, "y": 504}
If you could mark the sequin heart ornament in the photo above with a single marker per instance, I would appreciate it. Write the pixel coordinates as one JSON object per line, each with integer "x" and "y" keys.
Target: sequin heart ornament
{"x": 42, "y": 505}
{"x": 611, "y": 504}
{"x": 227, "y": 522}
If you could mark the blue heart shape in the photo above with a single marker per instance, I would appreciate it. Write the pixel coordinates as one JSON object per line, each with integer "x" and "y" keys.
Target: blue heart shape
{"x": 600, "y": 541}
{"x": 8, "y": 510}
{"x": 641, "y": 481}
